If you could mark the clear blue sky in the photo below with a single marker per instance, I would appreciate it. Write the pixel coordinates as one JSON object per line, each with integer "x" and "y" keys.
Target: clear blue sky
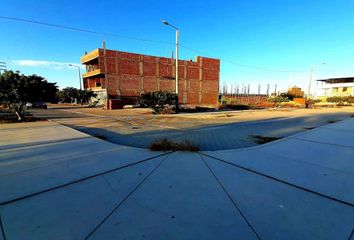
{"x": 274, "y": 34}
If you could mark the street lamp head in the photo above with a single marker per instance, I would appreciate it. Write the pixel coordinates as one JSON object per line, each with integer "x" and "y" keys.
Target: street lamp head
{"x": 71, "y": 65}
{"x": 165, "y": 22}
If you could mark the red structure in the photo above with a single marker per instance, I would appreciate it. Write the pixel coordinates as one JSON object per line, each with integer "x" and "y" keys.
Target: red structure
{"x": 122, "y": 75}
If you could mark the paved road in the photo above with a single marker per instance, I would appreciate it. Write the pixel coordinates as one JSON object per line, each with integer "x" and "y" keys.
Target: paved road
{"x": 141, "y": 130}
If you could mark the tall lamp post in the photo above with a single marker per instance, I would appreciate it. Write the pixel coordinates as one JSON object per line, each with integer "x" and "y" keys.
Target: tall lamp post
{"x": 310, "y": 79}
{"x": 78, "y": 71}
{"x": 177, "y": 36}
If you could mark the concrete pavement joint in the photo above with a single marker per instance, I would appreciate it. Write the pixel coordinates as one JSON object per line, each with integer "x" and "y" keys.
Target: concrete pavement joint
{"x": 301, "y": 161}
{"x": 126, "y": 197}
{"x": 351, "y": 235}
{"x": 333, "y": 144}
{"x": 229, "y": 196}
{"x": 43, "y": 143}
{"x": 2, "y": 228}
{"x": 281, "y": 181}
{"x": 80, "y": 180}
{"x": 67, "y": 160}
{"x": 338, "y": 129}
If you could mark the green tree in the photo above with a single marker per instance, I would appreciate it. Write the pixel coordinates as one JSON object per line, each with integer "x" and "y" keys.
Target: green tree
{"x": 71, "y": 95}
{"x": 158, "y": 100}
{"x": 17, "y": 89}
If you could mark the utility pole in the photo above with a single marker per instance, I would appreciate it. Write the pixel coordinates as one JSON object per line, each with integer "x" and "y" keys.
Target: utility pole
{"x": 310, "y": 79}
{"x": 259, "y": 89}
{"x": 268, "y": 87}
{"x": 310, "y": 82}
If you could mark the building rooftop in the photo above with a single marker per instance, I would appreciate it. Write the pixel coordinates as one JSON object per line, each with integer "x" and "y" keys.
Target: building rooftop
{"x": 338, "y": 80}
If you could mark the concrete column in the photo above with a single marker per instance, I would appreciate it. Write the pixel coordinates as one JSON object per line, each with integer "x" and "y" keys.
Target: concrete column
{"x": 141, "y": 74}
{"x": 200, "y": 80}
{"x": 158, "y": 74}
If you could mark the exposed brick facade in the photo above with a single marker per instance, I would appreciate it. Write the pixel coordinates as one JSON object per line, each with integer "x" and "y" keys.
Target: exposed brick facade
{"x": 128, "y": 75}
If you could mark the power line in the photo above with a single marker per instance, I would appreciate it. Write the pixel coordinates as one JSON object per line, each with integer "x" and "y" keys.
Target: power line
{"x": 144, "y": 40}
{"x": 245, "y": 65}
{"x": 82, "y": 30}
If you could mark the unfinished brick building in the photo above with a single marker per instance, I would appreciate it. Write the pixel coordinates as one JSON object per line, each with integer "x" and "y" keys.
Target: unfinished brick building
{"x": 118, "y": 75}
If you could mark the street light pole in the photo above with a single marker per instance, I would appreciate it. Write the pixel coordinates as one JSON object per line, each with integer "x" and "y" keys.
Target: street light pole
{"x": 177, "y": 37}
{"x": 310, "y": 82}
{"x": 310, "y": 79}
{"x": 79, "y": 73}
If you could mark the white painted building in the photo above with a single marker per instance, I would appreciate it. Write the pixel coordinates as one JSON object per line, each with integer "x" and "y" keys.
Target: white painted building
{"x": 335, "y": 87}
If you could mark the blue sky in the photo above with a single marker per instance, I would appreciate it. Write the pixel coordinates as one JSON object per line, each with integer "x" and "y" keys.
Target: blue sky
{"x": 275, "y": 34}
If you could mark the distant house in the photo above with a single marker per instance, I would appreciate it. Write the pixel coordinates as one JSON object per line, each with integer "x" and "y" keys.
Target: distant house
{"x": 296, "y": 92}
{"x": 335, "y": 87}
{"x": 122, "y": 75}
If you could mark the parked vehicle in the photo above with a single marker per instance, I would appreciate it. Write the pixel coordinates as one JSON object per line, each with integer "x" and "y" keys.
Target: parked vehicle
{"x": 38, "y": 104}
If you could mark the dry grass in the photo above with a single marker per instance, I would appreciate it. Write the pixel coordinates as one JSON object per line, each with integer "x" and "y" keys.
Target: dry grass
{"x": 264, "y": 139}
{"x": 167, "y": 145}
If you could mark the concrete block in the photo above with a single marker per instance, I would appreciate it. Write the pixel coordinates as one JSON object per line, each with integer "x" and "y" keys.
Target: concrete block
{"x": 73, "y": 211}
{"x": 277, "y": 211}
{"x": 329, "y": 136}
{"x": 181, "y": 200}
{"x": 327, "y": 181}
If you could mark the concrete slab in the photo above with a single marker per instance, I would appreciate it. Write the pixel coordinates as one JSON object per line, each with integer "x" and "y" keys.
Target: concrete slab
{"x": 330, "y": 156}
{"x": 342, "y": 125}
{"x": 54, "y": 188}
{"x": 329, "y": 136}
{"x": 325, "y": 180}
{"x": 39, "y": 179}
{"x": 28, "y": 167}
{"x": 73, "y": 211}
{"x": 278, "y": 211}
{"x": 181, "y": 200}
{"x": 31, "y": 157}
{"x": 18, "y": 135}
{"x": 1, "y": 234}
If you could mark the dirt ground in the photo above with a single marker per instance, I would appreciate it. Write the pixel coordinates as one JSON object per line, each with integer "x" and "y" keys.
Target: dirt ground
{"x": 190, "y": 120}
{"x": 208, "y": 131}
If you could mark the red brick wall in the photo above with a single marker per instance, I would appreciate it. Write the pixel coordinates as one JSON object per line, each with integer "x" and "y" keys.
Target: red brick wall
{"x": 130, "y": 74}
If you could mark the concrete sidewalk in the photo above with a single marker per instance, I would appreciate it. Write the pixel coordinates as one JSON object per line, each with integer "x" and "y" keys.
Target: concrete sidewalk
{"x": 58, "y": 183}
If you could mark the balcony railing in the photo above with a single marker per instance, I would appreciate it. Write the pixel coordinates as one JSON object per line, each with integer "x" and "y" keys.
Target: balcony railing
{"x": 92, "y": 73}
{"x": 90, "y": 56}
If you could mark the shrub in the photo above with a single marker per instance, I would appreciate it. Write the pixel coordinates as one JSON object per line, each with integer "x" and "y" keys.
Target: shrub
{"x": 288, "y": 96}
{"x": 278, "y": 99}
{"x": 160, "y": 101}
{"x": 291, "y": 104}
{"x": 259, "y": 139}
{"x": 167, "y": 145}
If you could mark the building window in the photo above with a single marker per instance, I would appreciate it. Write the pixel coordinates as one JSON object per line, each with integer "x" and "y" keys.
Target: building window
{"x": 335, "y": 89}
{"x": 98, "y": 84}
{"x": 344, "y": 89}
